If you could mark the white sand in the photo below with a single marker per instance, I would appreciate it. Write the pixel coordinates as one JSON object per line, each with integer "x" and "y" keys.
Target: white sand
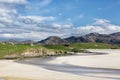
{"x": 78, "y": 67}
{"x": 111, "y": 60}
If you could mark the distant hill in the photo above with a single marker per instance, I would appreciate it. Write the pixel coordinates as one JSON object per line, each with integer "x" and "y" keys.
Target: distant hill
{"x": 92, "y": 37}
{"x": 14, "y": 41}
{"x": 53, "y": 40}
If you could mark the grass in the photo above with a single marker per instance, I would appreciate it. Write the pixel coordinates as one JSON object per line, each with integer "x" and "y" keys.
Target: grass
{"x": 56, "y": 47}
{"x": 94, "y": 46}
{"x": 7, "y": 49}
{"x": 82, "y": 46}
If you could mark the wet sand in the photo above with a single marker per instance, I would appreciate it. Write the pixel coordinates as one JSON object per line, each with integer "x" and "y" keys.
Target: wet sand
{"x": 100, "y": 65}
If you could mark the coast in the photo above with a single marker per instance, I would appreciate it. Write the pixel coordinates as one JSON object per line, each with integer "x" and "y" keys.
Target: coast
{"x": 84, "y": 66}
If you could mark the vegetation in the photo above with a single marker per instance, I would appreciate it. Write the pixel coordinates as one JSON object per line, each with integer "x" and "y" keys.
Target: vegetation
{"x": 94, "y": 46}
{"x": 67, "y": 47}
{"x": 10, "y": 49}
{"x": 57, "y": 47}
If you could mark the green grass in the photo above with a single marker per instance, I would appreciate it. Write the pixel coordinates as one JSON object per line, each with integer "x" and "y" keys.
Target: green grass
{"x": 6, "y": 49}
{"x": 93, "y": 46}
{"x": 82, "y": 46}
{"x": 56, "y": 47}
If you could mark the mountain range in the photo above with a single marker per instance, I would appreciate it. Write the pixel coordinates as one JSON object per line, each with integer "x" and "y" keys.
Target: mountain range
{"x": 113, "y": 38}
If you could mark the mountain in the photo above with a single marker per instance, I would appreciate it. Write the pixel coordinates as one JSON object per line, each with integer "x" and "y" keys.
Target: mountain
{"x": 86, "y": 38}
{"x": 116, "y": 34}
{"x": 92, "y": 37}
{"x": 14, "y": 41}
{"x": 96, "y": 37}
{"x": 53, "y": 40}
{"x": 113, "y": 38}
{"x": 28, "y": 42}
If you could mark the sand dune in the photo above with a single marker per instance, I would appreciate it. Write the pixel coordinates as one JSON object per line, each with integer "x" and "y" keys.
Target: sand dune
{"x": 85, "y": 66}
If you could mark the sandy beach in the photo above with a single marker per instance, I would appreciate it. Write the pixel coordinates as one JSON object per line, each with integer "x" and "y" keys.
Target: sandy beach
{"x": 100, "y": 65}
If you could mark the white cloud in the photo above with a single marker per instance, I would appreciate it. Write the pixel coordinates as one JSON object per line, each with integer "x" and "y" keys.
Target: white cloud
{"x": 7, "y": 35}
{"x": 63, "y": 26}
{"x": 7, "y": 14}
{"x": 36, "y": 18}
{"x": 13, "y": 25}
{"x": 14, "y": 1}
{"x": 37, "y": 32}
{"x": 67, "y": 25}
{"x": 101, "y": 21}
{"x": 100, "y": 26}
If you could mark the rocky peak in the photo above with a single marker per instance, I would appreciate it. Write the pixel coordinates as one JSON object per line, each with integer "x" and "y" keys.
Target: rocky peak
{"x": 53, "y": 40}
{"x": 93, "y": 34}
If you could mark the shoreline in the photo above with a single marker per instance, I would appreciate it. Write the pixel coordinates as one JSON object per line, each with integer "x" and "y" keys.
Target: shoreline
{"x": 62, "y": 55}
{"x": 73, "y": 67}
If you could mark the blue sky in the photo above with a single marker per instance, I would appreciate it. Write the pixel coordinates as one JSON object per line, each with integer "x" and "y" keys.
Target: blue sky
{"x": 81, "y": 12}
{"x": 38, "y": 19}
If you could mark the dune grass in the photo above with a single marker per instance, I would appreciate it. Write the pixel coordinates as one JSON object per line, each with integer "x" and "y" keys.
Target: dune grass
{"x": 56, "y": 47}
{"x": 7, "y": 49}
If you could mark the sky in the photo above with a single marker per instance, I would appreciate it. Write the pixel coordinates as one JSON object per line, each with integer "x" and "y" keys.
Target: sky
{"x": 39, "y": 19}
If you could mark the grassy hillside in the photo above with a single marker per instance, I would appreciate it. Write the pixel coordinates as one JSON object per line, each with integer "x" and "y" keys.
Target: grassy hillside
{"x": 8, "y": 49}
